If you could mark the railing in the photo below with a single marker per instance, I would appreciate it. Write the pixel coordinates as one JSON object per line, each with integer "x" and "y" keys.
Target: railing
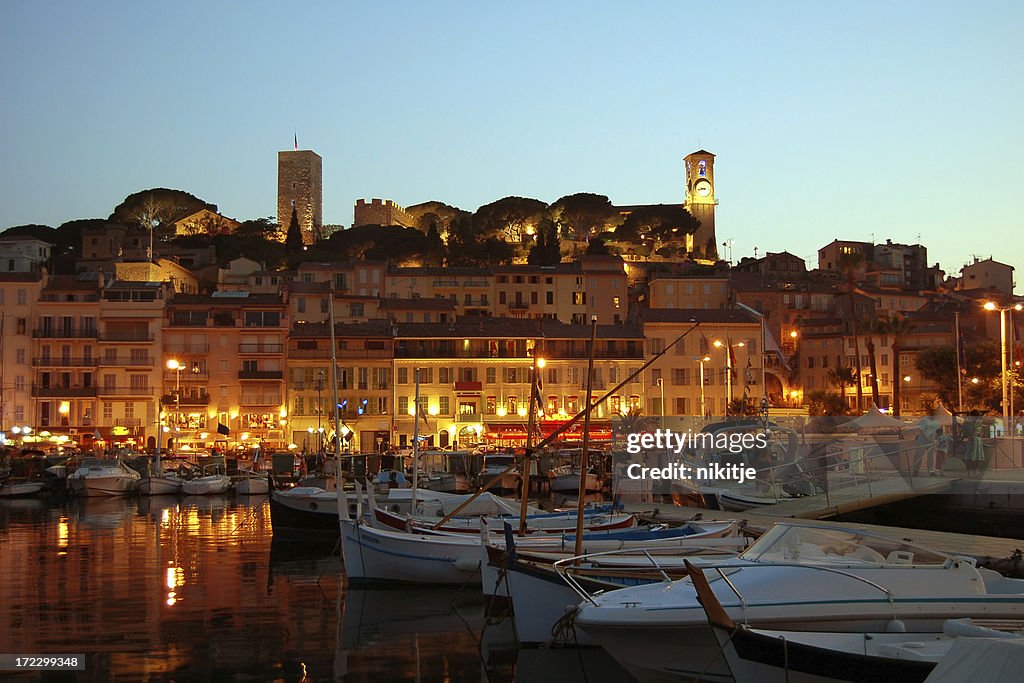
{"x": 260, "y": 348}
{"x": 45, "y": 333}
{"x": 49, "y": 362}
{"x": 185, "y": 400}
{"x": 343, "y": 354}
{"x": 260, "y": 401}
{"x": 187, "y": 348}
{"x": 185, "y": 375}
{"x": 469, "y": 417}
{"x": 63, "y": 392}
{"x": 260, "y": 374}
{"x": 475, "y": 283}
{"x": 126, "y": 391}
{"x": 125, "y": 337}
{"x": 518, "y": 306}
{"x": 126, "y": 362}
{"x": 445, "y": 282}
{"x": 128, "y": 422}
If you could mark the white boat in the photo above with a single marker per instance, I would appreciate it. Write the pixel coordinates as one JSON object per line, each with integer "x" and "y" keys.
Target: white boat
{"x": 496, "y": 470}
{"x": 210, "y": 485}
{"x": 252, "y": 484}
{"x": 103, "y": 477}
{"x": 168, "y": 485}
{"x": 394, "y": 556}
{"x": 566, "y": 479}
{"x": 21, "y": 489}
{"x": 755, "y": 654}
{"x": 801, "y": 577}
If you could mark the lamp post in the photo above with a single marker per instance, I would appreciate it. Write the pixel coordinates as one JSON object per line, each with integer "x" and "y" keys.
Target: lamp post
{"x": 661, "y": 385}
{"x": 319, "y": 412}
{"x": 174, "y": 364}
{"x": 992, "y": 306}
{"x": 728, "y": 369}
{"x": 702, "y": 360}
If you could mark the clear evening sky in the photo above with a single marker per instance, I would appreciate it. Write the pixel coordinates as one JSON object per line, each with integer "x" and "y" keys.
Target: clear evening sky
{"x": 829, "y": 119}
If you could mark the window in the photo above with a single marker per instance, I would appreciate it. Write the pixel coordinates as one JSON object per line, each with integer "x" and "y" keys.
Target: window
{"x": 491, "y": 405}
{"x": 681, "y": 407}
{"x": 578, "y": 299}
{"x": 426, "y": 375}
{"x": 108, "y": 410}
{"x": 19, "y": 356}
{"x": 444, "y": 376}
{"x": 502, "y": 298}
{"x": 552, "y": 375}
{"x": 262, "y": 319}
{"x": 467, "y": 407}
{"x": 572, "y": 405}
{"x": 680, "y": 377}
{"x": 22, "y": 326}
{"x": 129, "y": 410}
{"x": 403, "y": 375}
{"x": 550, "y": 298}
{"x": 491, "y": 375}
{"x": 444, "y": 405}
{"x": 657, "y": 346}
{"x": 810, "y": 362}
{"x": 19, "y": 383}
{"x": 21, "y": 297}
{"x": 403, "y": 405}
{"x": 616, "y": 302}
{"x": 356, "y": 310}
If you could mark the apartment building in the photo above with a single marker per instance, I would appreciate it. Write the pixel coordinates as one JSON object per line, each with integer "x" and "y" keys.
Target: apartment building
{"x": 19, "y": 293}
{"x": 364, "y": 383}
{"x": 228, "y": 353}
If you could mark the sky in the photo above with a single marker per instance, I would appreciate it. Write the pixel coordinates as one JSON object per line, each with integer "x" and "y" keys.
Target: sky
{"x": 864, "y": 121}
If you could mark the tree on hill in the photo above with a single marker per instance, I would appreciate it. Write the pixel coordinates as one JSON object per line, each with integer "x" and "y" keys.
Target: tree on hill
{"x": 583, "y": 215}
{"x": 597, "y": 246}
{"x": 468, "y": 247}
{"x": 293, "y": 246}
{"x": 374, "y": 242}
{"x": 158, "y": 208}
{"x": 434, "y": 212}
{"x": 547, "y": 250}
{"x": 509, "y": 217}
{"x": 660, "y": 225}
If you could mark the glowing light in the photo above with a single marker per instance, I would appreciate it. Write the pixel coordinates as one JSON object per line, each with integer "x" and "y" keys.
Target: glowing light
{"x": 173, "y": 364}
{"x": 166, "y": 429}
{"x": 283, "y": 412}
{"x": 15, "y": 430}
{"x": 433, "y": 410}
{"x": 412, "y": 409}
{"x": 521, "y": 411}
{"x": 906, "y": 378}
{"x": 793, "y": 334}
{"x": 64, "y": 408}
{"x": 500, "y": 412}
{"x": 292, "y": 447}
{"x": 309, "y": 429}
{"x": 234, "y": 414}
{"x": 541, "y": 362}
{"x": 204, "y": 435}
{"x": 974, "y": 380}
{"x": 717, "y": 344}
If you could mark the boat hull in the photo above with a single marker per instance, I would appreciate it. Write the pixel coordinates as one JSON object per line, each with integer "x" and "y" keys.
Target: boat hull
{"x": 207, "y": 486}
{"x": 570, "y": 483}
{"x": 252, "y": 486}
{"x": 21, "y": 489}
{"x": 314, "y": 514}
{"x": 373, "y": 555}
{"x": 102, "y": 486}
{"x": 160, "y": 486}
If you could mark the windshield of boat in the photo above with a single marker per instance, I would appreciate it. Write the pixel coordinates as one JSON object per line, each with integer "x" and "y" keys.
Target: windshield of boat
{"x": 813, "y": 544}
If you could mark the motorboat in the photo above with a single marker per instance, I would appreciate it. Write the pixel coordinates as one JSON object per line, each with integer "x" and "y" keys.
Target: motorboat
{"x": 566, "y": 479}
{"x": 20, "y": 489}
{"x": 168, "y": 485}
{"x": 499, "y": 473}
{"x": 208, "y": 485}
{"x": 103, "y": 477}
{"x": 252, "y": 484}
{"x": 801, "y": 577}
{"x": 755, "y": 654}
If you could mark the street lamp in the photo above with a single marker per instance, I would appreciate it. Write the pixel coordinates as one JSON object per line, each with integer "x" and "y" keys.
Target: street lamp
{"x": 728, "y": 370}
{"x": 177, "y": 367}
{"x": 702, "y": 360}
{"x": 992, "y": 306}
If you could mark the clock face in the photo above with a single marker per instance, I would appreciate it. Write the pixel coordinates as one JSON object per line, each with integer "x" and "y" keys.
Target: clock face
{"x": 703, "y": 188}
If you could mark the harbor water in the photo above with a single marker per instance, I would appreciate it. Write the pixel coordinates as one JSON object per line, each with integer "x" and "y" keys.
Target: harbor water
{"x": 197, "y": 589}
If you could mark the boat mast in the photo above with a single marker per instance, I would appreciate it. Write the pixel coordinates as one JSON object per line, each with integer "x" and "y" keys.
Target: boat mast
{"x": 525, "y": 474}
{"x": 584, "y": 456}
{"x": 339, "y": 480}
{"x": 415, "y": 438}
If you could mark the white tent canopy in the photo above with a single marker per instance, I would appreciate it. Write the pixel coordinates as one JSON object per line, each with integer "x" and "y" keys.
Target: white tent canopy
{"x": 875, "y": 419}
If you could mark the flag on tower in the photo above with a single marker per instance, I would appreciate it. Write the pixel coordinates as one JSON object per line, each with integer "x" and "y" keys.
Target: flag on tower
{"x": 296, "y": 141}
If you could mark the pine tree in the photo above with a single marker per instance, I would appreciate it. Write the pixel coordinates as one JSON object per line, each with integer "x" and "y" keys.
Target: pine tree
{"x": 293, "y": 239}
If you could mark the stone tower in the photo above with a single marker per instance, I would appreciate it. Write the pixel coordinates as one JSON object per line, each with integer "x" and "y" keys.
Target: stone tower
{"x": 701, "y": 202}
{"x": 300, "y": 184}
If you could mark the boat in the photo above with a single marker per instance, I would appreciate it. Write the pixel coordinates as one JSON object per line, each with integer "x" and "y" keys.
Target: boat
{"x": 444, "y": 471}
{"x": 252, "y": 484}
{"x": 566, "y": 478}
{"x": 755, "y": 654}
{"x": 208, "y": 485}
{"x": 168, "y": 485}
{"x": 496, "y": 475}
{"x": 21, "y": 489}
{"x": 103, "y": 477}
{"x": 798, "y": 576}
{"x": 595, "y": 519}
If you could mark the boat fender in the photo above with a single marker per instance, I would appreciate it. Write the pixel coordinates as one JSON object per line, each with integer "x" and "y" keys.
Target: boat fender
{"x": 466, "y": 564}
{"x": 895, "y": 626}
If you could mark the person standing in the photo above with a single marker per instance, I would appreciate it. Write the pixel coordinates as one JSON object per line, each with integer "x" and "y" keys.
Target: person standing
{"x": 943, "y": 442}
{"x": 974, "y": 456}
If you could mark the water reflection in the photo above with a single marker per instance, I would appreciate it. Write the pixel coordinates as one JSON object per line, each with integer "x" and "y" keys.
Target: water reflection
{"x": 169, "y": 589}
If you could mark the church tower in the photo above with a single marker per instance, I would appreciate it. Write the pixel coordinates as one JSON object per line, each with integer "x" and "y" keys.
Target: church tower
{"x": 700, "y": 201}
{"x": 300, "y": 186}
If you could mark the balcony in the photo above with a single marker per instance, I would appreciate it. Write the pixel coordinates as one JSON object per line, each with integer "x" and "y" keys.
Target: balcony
{"x": 48, "y": 362}
{"x": 146, "y": 391}
{"x": 518, "y": 306}
{"x": 325, "y": 353}
{"x": 445, "y": 282}
{"x": 187, "y": 348}
{"x": 469, "y": 417}
{"x": 475, "y": 283}
{"x": 49, "y": 333}
{"x": 260, "y": 348}
{"x": 128, "y": 422}
{"x": 479, "y": 301}
{"x": 125, "y": 337}
{"x": 185, "y": 400}
{"x": 260, "y": 374}
{"x": 111, "y": 361}
{"x": 73, "y": 391}
{"x": 260, "y": 401}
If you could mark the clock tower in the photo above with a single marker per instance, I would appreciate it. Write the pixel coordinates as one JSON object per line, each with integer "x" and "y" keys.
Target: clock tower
{"x": 700, "y": 201}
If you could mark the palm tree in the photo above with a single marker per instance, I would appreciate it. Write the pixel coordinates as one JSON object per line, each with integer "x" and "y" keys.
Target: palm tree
{"x": 842, "y": 377}
{"x": 849, "y": 265}
{"x": 898, "y": 327}
{"x": 874, "y": 326}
